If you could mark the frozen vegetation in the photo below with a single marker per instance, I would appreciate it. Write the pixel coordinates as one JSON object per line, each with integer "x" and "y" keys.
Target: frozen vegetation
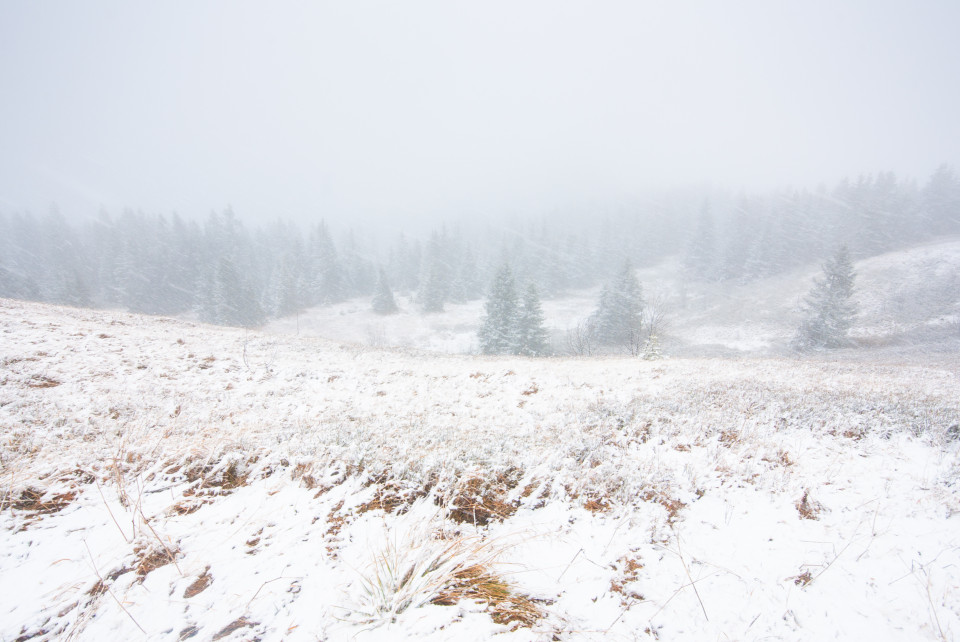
{"x": 168, "y": 480}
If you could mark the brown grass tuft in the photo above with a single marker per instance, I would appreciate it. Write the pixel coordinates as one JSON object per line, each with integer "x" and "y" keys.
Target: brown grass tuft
{"x": 479, "y": 502}
{"x": 42, "y": 381}
{"x": 803, "y": 579}
{"x": 729, "y": 437}
{"x": 478, "y": 583}
{"x": 673, "y": 506}
{"x": 393, "y": 497}
{"x": 629, "y": 567}
{"x": 199, "y": 585}
{"x": 36, "y": 501}
{"x": 231, "y": 478}
{"x": 597, "y": 505}
{"x": 151, "y": 558}
{"x": 236, "y": 625}
{"x": 808, "y": 508}
{"x": 336, "y": 522}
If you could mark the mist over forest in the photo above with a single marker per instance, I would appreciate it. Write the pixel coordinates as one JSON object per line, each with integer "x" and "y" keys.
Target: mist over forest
{"x": 238, "y": 166}
{"x": 553, "y": 320}
{"x": 222, "y": 271}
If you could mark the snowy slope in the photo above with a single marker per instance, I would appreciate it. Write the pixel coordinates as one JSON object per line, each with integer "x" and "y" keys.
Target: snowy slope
{"x": 165, "y": 480}
{"x": 910, "y": 296}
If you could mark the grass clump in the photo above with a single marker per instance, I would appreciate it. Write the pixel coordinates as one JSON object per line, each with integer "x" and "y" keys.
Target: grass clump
{"x": 440, "y": 572}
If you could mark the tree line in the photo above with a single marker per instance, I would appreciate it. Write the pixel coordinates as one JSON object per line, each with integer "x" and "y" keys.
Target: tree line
{"x": 221, "y": 272}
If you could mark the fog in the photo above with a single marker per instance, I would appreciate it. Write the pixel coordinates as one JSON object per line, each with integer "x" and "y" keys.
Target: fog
{"x": 410, "y": 112}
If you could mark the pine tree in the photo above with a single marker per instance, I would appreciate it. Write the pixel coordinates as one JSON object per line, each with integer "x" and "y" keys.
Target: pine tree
{"x": 383, "y": 301}
{"x": 433, "y": 290}
{"x": 326, "y": 274}
{"x": 231, "y": 300}
{"x": 531, "y": 333}
{"x": 466, "y": 286}
{"x": 619, "y": 315}
{"x": 435, "y": 283}
{"x": 651, "y": 348}
{"x": 286, "y": 287}
{"x": 498, "y": 330}
{"x": 941, "y": 202}
{"x": 828, "y": 309}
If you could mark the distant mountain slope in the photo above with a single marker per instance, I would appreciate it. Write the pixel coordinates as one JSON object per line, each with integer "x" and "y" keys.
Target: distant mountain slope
{"x": 913, "y": 294}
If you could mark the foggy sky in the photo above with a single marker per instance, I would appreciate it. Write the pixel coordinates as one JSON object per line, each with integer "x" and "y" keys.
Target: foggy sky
{"x": 387, "y": 110}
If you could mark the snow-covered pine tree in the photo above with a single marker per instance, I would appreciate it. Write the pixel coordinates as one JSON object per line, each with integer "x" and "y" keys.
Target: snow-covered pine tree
{"x": 433, "y": 290}
{"x": 531, "y": 333}
{"x": 651, "y": 348}
{"x": 828, "y": 309}
{"x": 466, "y": 286}
{"x": 326, "y": 277}
{"x": 286, "y": 287}
{"x": 619, "y": 315}
{"x": 383, "y": 301}
{"x": 437, "y": 267}
{"x": 498, "y": 330}
{"x": 233, "y": 302}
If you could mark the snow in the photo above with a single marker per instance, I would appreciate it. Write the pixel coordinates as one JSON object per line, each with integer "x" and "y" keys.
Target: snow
{"x": 641, "y": 500}
{"x": 907, "y": 297}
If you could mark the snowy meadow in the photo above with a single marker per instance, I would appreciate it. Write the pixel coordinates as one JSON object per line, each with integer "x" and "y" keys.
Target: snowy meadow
{"x": 541, "y": 321}
{"x": 169, "y": 480}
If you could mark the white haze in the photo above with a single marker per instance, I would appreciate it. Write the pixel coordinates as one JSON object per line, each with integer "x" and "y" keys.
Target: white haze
{"x": 368, "y": 111}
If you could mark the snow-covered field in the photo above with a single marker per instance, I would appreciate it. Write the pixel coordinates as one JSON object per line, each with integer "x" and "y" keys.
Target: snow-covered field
{"x": 165, "y": 480}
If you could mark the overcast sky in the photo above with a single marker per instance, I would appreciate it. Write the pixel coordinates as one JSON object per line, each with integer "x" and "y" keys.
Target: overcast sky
{"x": 356, "y": 110}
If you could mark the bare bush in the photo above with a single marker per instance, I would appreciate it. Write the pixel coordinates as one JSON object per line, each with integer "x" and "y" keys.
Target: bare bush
{"x": 581, "y": 340}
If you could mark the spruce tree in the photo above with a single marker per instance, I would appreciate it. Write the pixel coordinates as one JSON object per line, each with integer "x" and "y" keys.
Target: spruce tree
{"x": 828, "y": 309}
{"x": 433, "y": 291}
{"x": 326, "y": 284}
{"x": 383, "y": 301}
{"x": 498, "y": 330}
{"x": 531, "y": 333}
{"x": 619, "y": 315}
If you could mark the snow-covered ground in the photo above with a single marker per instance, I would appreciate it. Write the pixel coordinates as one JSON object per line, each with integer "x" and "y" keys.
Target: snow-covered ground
{"x": 165, "y": 480}
{"x": 907, "y": 297}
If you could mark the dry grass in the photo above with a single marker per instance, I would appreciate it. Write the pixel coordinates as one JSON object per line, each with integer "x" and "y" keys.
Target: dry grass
{"x": 236, "y": 625}
{"x": 803, "y": 579}
{"x": 629, "y": 567}
{"x": 808, "y": 508}
{"x": 150, "y": 558}
{"x": 395, "y": 497}
{"x": 598, "y": 505}
{"x": 199, "y": 585}
{"x": 729, "y": 437}
{"x": 673, "y": 506}
{"x": 479, "y": 583}
{"x": 443, "y": 572}
{"x": 478, "y": 501}
{"x": 39, "y": 502}
{"x": 337, "y": 521}
{"x": 42, "y": 381}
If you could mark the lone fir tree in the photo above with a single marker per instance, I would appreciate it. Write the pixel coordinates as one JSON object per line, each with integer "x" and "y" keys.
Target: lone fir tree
{"x": 618, "y": 318}
{"x": 828, "y": 309}
{"x": 531, "y": 333}
{"x": 383, "y": 301}
{"x": 498, "y": 330}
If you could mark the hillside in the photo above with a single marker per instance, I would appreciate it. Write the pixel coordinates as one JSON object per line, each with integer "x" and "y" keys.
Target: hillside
{"x": 907, "y": 298}
{"x": 167, "y": 480}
